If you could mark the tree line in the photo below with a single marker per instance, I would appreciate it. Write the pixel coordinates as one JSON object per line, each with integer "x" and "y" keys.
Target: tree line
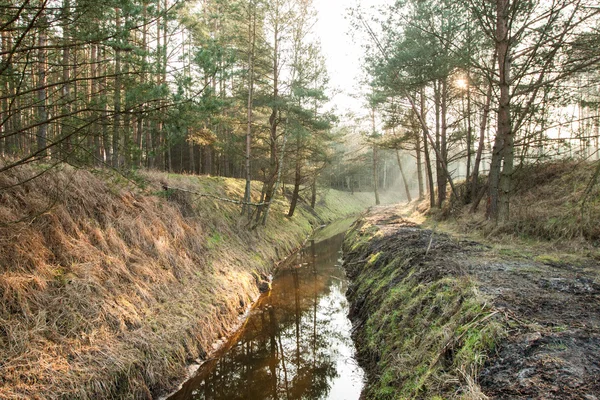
{"x": 484, "y": 85}
{"x": 223, "y": 87}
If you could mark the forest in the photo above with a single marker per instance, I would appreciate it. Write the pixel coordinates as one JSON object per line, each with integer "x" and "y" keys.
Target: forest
{"x": 451, "y": 91}
{"x": 490, "y": 85}
{"x": 212, "y": 87}
{"x": 161, "y": 162}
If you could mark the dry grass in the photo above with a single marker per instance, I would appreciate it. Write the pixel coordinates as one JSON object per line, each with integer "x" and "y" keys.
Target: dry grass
{"x": 108, "y": 290}
{"x": 547, "y": 204}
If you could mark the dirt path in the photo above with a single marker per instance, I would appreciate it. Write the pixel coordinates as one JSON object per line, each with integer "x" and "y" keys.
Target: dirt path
{"x": 551, "y": 311}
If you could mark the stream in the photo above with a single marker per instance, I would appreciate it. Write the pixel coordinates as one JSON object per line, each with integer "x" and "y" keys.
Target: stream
{"x": 296, "y": 341}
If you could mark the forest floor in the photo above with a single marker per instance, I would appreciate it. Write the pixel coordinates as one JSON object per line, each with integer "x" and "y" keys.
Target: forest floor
{"x": 544, "y": 308}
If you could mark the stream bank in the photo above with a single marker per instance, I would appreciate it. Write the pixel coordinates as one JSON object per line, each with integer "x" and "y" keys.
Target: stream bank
{"x": 295, "y": 343}
{"x": 437, "y": 316}
{"x": 110, "y": 289}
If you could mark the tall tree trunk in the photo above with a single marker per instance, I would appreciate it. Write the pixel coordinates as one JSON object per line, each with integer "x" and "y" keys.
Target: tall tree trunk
{"x": 105, "y": 137}
{"x": 297, "y": 179}
{"x": 165, "y": 135}
{"x": 428, "y": 166}
{"x": 117, "y": 93}
{"x": 418, "y": 150}
{"x": 313, "y": 193}
{"x": 404, "y": 180}
{"x": 252, "y": 44}
{"x": 503, "y": 148}
{"x": 141, "y": 125}
{"x": 439, "y": 174}
{"x": 128, "y": 138}
{"x": 481, "y": 144}
{"x": 127, "y": 131}
{"x": 94, "y": 53}
{"x": 468, "y": 196}
{"x": 278, "y": 180}
{"x": 376, "y": 175}
{"x": 66, "y": 77}
{"x": 269, "y": 183}
{"x": 192, "y": 161}
{"x": 14, "y": 121}
{"x": 375, "y": 161}
{"x": 42, "y": 131}
{"x": 169, "y": 154}
{"x": 442, "y": 177}
{"x": 4, "y": 111}
{"x": 597, "y": 132}
{"x": 469, "y": 131}
{"x": 157, "y": 159}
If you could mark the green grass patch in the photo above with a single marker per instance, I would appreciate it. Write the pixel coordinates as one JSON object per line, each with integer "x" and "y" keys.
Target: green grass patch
{"x": 427, "y": 337}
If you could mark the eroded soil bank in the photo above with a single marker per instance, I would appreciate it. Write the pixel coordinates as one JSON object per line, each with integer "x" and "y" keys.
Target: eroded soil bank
{"x": 436, "y": 315}
{"x": 110, "y": 289}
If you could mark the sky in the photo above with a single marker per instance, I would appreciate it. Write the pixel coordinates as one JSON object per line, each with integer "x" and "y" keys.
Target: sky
{"x": 343, "y": 50}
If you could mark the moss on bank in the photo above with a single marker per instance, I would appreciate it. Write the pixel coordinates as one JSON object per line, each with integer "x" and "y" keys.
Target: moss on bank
{"x": 108, "y": 290}
{"x": 422, "y": 330}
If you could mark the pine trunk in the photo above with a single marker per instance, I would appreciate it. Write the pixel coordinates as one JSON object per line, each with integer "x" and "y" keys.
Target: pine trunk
{"x": 117, "y": 94}
{"x": 297, "y": 180}
{"x": 419, "y": 167}
{"x": 404, "y": 180}
{"x": 252, "y": 43}
{"x": 42, "y": 133}
{"x": 500, "y": 178}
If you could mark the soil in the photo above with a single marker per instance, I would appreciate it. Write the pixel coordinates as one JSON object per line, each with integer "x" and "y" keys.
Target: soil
{"x": 551, "y": 311}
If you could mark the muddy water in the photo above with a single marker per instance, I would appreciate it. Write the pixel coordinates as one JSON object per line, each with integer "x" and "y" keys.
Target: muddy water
{"x": 296, "y": 342}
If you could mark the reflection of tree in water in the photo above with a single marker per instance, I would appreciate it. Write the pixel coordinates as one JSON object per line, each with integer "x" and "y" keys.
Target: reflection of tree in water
{"x": 289, "y": 346}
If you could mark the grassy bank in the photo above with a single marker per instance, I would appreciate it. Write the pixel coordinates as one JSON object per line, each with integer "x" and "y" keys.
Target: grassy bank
{"x": 421, "y": 327}
{"x": 110, "y": 288}
{"x": 554, "y": 201}
{"x": 459, "y": 308}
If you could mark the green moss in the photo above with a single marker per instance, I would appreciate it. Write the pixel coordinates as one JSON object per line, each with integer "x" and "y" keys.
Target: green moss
{"x": 425, "y": 334}
{"x": 548, "y": 259}
{"x": 373, "y": 258}
{"x": 214, "y": 240}
{"x": 560, "y": 328}
{"x": 359, "y": 238}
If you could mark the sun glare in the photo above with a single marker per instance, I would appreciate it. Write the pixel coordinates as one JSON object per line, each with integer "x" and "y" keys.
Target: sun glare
{"x": 461, "y": 83}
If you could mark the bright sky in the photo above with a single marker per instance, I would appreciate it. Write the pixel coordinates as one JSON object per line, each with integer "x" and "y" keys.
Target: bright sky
{"x": 342, "y": 50}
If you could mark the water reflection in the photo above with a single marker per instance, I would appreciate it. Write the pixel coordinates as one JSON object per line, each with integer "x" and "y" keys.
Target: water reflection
{"x": 296, "y": 343}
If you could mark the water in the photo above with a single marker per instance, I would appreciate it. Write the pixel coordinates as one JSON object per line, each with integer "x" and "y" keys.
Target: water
{"x": 296, "y": 342}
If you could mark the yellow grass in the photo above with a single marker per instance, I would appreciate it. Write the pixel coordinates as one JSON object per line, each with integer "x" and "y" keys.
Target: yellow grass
{"x": 108, "y": 290}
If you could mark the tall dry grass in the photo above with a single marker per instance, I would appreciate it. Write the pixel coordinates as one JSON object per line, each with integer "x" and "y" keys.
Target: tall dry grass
{"x": 108, "y": 290}
{"x": 557, "y": 201}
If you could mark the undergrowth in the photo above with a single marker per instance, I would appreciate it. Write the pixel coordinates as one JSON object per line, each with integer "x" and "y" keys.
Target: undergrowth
{"x": 109, "y": 286}
{"x": 550, "y": 201}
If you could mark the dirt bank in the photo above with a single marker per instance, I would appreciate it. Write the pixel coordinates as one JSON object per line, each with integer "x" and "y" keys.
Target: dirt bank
{"x": 109, "y": 289}
{"x": 436, "y": 315}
